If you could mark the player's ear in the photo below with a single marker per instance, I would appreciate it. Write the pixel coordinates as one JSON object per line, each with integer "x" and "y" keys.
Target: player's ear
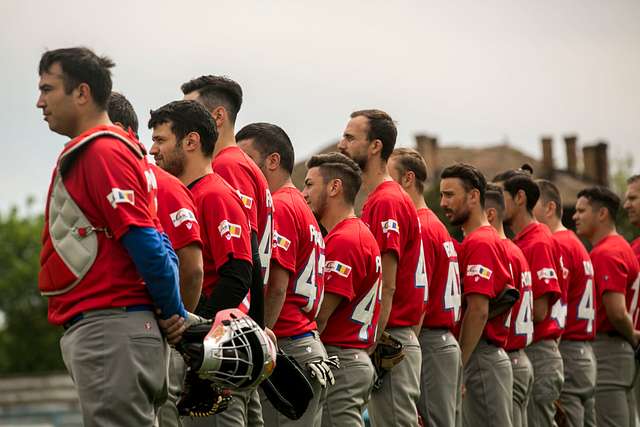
{"x": 491, "y": 214}
{"x": 219, "y": 115}
{"x": 334, "y": 187}
{"x": 82, "y": 94}
{"x": 191, "y": 142}
{"x": 273, "y": 161}
{"x": 409, "y": 178}
{"x": 375, "y": 146}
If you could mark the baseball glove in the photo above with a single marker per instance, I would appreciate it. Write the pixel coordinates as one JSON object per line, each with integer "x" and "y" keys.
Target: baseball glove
{"x": 503, "y": 302}
{"x": 202, "y": 398}
{"x": 388, "y": 353}
{"x": 288, "y": 388}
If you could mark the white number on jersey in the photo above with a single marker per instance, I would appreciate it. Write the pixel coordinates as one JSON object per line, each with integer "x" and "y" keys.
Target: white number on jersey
{"x": 559, "y": 313}
{"x": 452, "y": 294}
{"x": 306, "y": 284}
{"x": 634, "y": 301}
{"x": 585, "y": 308}
{"x": 421, "y": 274}
{"x": 524, "y": 319}
{"x": 266, "y": 243}
{"x": 363, "y": 312}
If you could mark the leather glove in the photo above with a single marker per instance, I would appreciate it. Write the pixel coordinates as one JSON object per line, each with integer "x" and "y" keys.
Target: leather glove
{"x": 321, "y": 370}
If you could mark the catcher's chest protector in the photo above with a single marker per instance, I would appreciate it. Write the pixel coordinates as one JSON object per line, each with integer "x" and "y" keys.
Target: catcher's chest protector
{"x": 70, "y": 243}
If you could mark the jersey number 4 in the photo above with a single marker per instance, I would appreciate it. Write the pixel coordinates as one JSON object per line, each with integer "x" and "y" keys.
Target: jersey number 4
{"x": 364, "y": 310}
{"x": 452, "y": 294}
{"x": 421, "y": 274}
{"x": 307, "y": 285}
{"x": 586, "y": 310}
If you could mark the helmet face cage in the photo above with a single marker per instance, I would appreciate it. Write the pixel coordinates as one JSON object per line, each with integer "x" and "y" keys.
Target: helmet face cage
{"x": 237, "y": 352}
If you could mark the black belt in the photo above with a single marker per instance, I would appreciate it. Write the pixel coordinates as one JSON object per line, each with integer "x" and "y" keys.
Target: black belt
{"x": 78, "y": 317}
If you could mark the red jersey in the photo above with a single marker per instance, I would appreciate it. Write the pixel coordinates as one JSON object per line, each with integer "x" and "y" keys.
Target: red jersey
{"x": 300, "y": 250}
{"x": 615, "y": 269}
{"x": 443, "y": 273}
{"x": 520, "y": 319}
{"x": 245, "y": 176}
{"x": 485, "y": 272}
{"x": 635, "y": 245}
{"x": 580, "y": 295}
{"x": 118, "y": 196}
{"x": 176, "y": 210}
{"x": 541, "y": 252}
{"x": 352, "y": 270}
{"x": 390, "y": 215}
{"x": 224, "y": 226}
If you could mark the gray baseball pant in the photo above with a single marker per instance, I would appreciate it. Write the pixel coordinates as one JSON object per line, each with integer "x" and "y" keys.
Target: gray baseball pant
{"x": 522, "y": 386}
{"x": 578, "y": 397}
{"x": 548, "y": 376}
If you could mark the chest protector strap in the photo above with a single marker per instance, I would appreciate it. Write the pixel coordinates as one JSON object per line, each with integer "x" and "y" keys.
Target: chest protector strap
{"x": 71, "y": 244}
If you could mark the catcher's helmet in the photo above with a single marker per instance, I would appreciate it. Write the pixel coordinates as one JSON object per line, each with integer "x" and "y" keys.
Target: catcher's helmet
{"x": 233, "y": 352}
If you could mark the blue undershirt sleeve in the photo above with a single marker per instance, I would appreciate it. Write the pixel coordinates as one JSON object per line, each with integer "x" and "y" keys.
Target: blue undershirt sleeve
{"x": 156, "y": 262}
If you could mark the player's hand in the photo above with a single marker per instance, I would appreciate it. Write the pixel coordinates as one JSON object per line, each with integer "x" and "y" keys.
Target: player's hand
{"x": 321, "y": 370}
{"x": 272, "y": 336}
{"x": 173, "y": 328}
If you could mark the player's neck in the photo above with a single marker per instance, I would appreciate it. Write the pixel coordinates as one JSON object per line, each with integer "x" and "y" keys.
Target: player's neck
{"x": 278, "y": 179}
{"x": 335, "y": 214}
{"x": 602, "y": 232}
{"x": 521, "y": 221}
{"x": 88, "y": 121}
{"x": 417, "y": 198}
{"x": 195, "y": 169}
{"x": 375, "y": 174}
{"x": 226, "y": 139}
{"x": 555, "y": 225}
{"x": 497, "y": 225}
{"x": 476, "y": 220}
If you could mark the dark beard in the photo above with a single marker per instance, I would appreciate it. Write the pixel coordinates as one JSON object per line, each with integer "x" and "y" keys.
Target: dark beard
{"x": 461, "y": 218}
{"x": 175, "y": 166}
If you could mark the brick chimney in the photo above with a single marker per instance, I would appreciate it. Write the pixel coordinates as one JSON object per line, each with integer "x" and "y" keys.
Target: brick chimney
{"x": 596, "y": 163}
{"x": 570, "y": 145}
{"x": 428, "y": 146}
{"x": 547, "y": 157}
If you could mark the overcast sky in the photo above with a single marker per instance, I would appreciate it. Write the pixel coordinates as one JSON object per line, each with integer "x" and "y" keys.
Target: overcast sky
{"x": 469, "y": 72}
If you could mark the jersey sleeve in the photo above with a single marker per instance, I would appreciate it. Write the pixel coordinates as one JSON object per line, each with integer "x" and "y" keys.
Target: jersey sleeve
{"x": 177, "y": 213}
{"x": 385, "y": 226}
{"x": 338, "y": 268}
{"x": 229, "y": 233}
{"x": 119, "y": 189}
{"x": 609, "y": 274}
{"x": 284, "y": 236}
{"x": 478, "y": 275}
{"x": 544, "y": 277}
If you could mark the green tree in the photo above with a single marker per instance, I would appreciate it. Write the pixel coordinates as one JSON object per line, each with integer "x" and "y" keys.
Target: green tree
{"x": 28, "y": 343}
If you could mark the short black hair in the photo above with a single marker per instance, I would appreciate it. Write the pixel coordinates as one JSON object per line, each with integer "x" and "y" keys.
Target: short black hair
{"x": 550, "y": 193}
{"x": 599, "y": 197}
{"x": 186, "y": 117}
{"x": 81, "y": 65}
{"x": 120, "y": 110}
{"x": 495, "y": 197}
{"x": 215, "y": 91}
{"x": 409, "y": 159}
{"x": 381, "y": 127}
{"x": 338, "y": 166}
{"x": 520, "y": 179}
{"x": 470, "y": 176}
{"x": 268, "y": 139}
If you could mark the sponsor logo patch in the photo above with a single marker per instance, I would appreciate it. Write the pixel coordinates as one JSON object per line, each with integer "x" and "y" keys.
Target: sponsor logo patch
{"x": 479, "y": 270}
{"x": 546, "y": 274}
{"x": 229, "y": 230}
{"x": 390, "y": 225}
{"x": 182, "y": 215}
{"x": 117, "y": 196}
{"x": 281, "y": 241}
{"x": 337, "y": 267}
{"x": 246, "y": 200}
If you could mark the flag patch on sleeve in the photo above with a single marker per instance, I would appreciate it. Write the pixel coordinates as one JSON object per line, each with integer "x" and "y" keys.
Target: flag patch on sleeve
{"x": 229, "y": 230}
{"x": 546, "y": 274}
{"x": 479, "y": 270}
{"x": 246, "y": 200}
{"x": 281, "y": 241}
{"x": 120, "y": 196}
{"x": 390, "y": 225}
{"x": 337, "y": 267}
{"x": 182, "y": 215}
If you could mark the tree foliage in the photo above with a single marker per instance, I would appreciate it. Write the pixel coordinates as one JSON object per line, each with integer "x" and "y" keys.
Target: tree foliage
{"x": 28, "y": 343}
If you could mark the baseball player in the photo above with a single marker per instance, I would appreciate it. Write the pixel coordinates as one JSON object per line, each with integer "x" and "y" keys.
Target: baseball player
{"x": 104, "y": 264}
{"x": 369, "y": 139}
{"x": 578, "y": 392}
{"x": 488, "y": 379}
{"x": 348, "y": 317}
{"x": 222, "y": 97}
{"x": 441, "y": 373}
{"x": 520, "y": 320}
{"x": 295, "y": 289}
{"x": 184, "y": 136}
{"x": 176, "y": 212}
{"x": 615, "y": 270}
{"x": 521, "y": 194}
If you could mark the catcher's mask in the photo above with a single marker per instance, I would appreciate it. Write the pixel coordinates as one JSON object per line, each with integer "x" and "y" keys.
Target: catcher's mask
{"x": 233, "y": 352}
